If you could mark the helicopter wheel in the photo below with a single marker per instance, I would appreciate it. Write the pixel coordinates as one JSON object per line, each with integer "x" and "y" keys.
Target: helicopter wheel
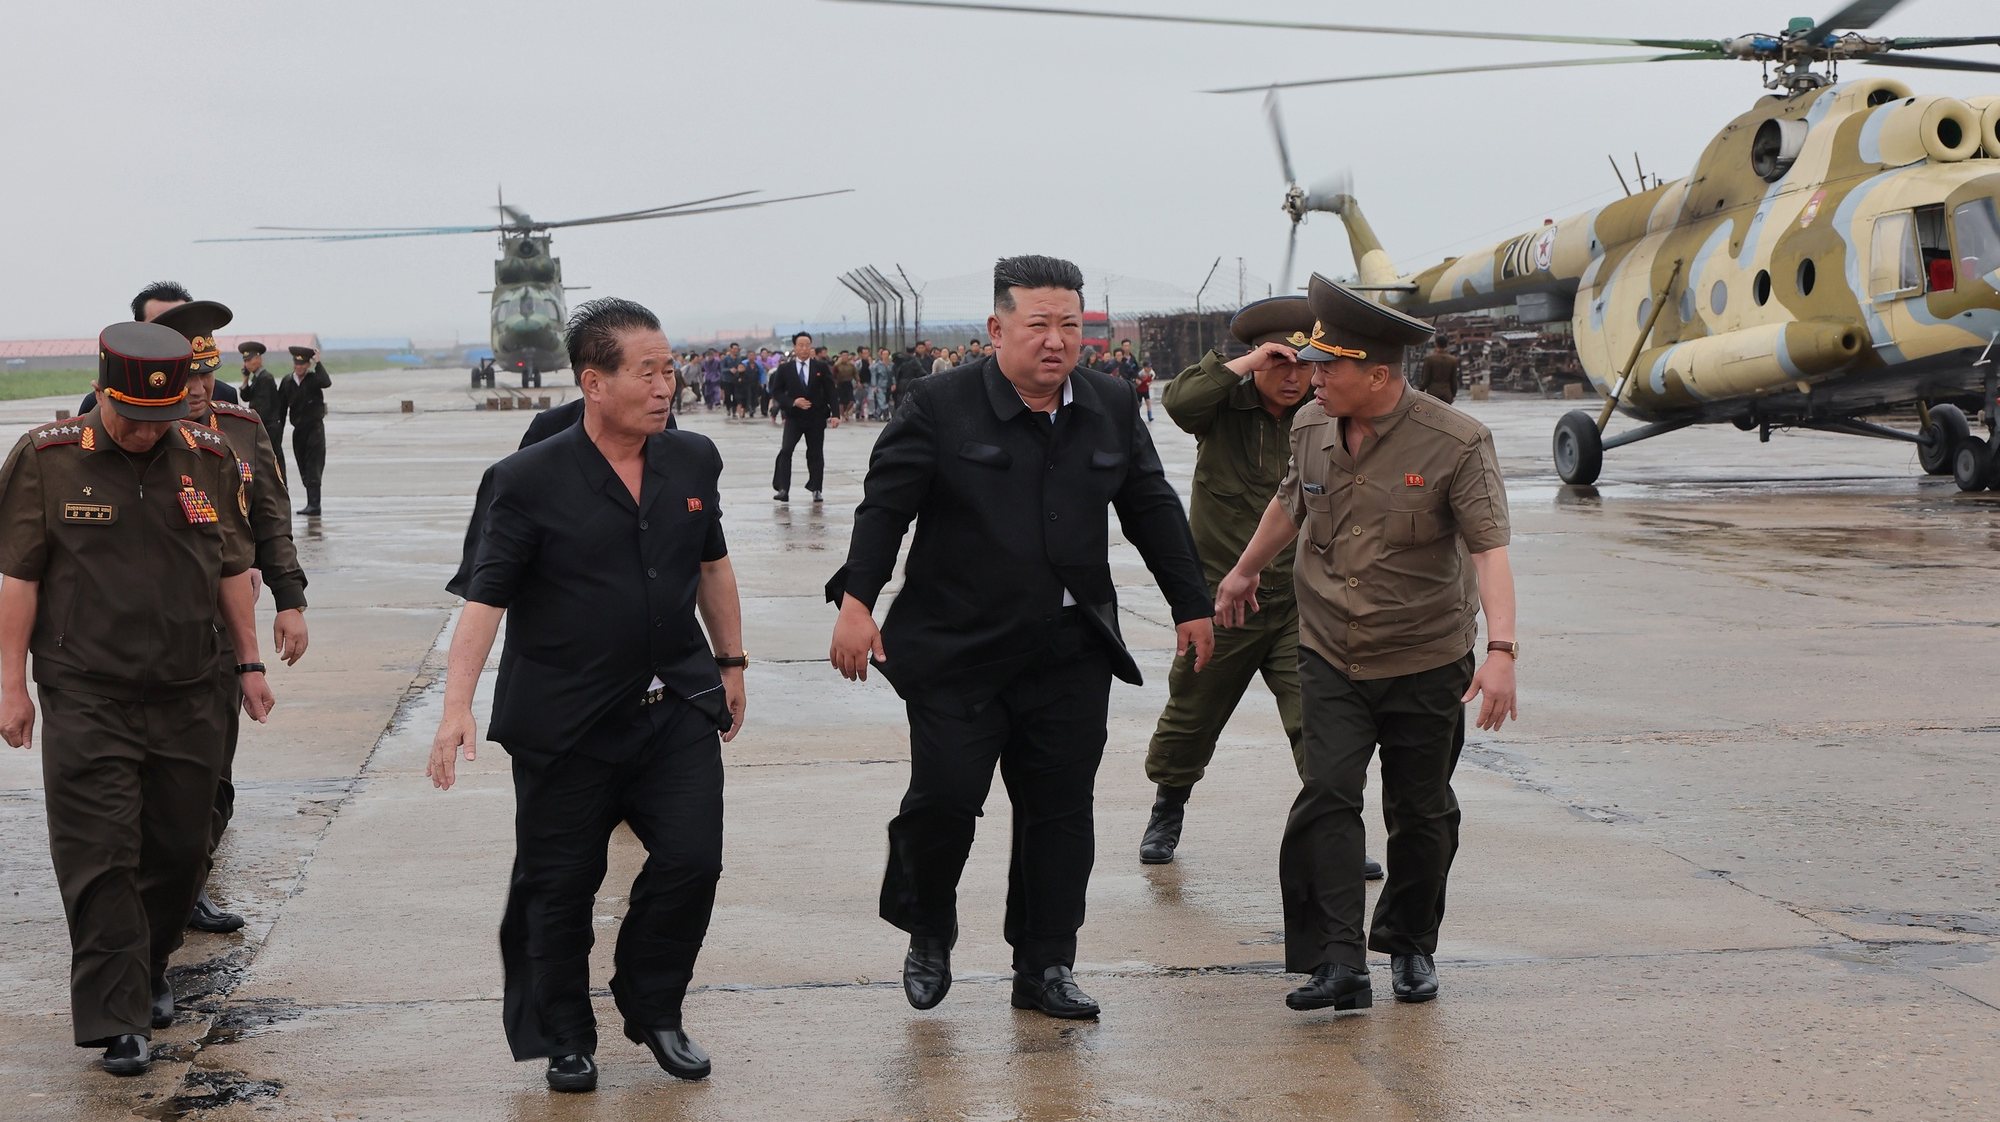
{"x": 1973, "y": 467}
{"x": 1579, "y": 450}
{"x": 1947, "y": 429}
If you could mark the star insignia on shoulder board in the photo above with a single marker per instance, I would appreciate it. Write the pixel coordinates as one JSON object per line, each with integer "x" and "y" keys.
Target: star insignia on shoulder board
{"x": 86, "y": 492}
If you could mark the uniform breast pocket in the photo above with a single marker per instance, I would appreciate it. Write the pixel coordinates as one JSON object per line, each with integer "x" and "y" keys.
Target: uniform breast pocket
{"x": 986, "y": 455}
{"x": 1319, "y": 519}
{"x": 1416, "y": 520}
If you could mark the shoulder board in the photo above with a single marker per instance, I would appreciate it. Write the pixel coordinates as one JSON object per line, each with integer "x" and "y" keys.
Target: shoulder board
{"x": 202, "y": 437}
{"x": 231, "y": 409}
{"x": 1310, "y": 414}
{"x": 59, "y": 432}
{"x": 1434, "y": 414}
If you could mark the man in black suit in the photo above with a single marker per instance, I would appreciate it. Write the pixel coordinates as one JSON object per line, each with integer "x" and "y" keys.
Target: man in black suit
{"x": 1004, "y": 639}
{"x": 803, "y": 387}
{"x": 599, "y": 545}
{"x": 303, "y": 397}
{"x": 153, "y": 299}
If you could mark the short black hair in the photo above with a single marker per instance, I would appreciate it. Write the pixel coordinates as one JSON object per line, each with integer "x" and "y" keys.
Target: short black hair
{"x": 592, "y": 332}
{"x": 799, "y": 336}
{"x": 1033, "y": 270}
{"x": 158, "y": 290}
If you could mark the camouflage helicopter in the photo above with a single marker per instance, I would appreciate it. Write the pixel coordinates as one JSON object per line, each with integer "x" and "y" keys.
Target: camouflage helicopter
{"x": 1834, "y": 256}
{"x": 528, "y": 305}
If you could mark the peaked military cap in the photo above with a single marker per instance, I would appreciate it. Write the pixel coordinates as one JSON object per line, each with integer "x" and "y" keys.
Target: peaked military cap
{"x": 143, "y": 369}
{"x": 302, "y": 354}
{"x": 1280, "y": 319}
{"x": 1350, "y": 325}
{"x": 253, "y": 347}
{"x": 198, "y": 320}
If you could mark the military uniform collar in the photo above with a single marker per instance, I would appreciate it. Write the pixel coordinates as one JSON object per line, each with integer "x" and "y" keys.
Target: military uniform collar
{"x": 96, "y": 438}
{"x": 1335, "y": 433}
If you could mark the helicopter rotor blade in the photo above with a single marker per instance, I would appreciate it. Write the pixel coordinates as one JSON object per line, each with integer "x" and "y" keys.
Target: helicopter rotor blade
{"x": 1616, "y": 60}
{"x": 1931, "y": 42}
{"x": 1921, "y": 63}
{"x": 1857, "y": 16}
{"x": 1325, "y": 196}
{"x": 1290, "y": 25}
{"x": 1278, "y": 134}
{"x": 648, "y": 212}
{"x": 364, "y": 236}
{"x": 1291, "y": 247}
{"x": 644, "y": 215}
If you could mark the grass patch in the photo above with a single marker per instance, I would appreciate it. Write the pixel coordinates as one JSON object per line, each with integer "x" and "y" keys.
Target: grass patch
{"x": 16, "y": 385}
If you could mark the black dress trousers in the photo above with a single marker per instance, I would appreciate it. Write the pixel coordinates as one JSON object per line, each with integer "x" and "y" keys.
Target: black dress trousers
{"x": 658, "y": 769}
{"x": 1419, "y": 721}
{"x": 814, "y": 432}
{"x": 309, "y": 456}
{"x": 1046, "y": 730}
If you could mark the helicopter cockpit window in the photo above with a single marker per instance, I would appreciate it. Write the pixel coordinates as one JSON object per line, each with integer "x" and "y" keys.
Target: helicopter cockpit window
{"x": 1978, "y": 237}
{"x": 1935, "y": 244}
{"x": 1895, "y": 267}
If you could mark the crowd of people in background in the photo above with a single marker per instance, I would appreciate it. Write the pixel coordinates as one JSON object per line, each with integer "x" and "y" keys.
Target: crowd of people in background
{"x": 868, "y": 381}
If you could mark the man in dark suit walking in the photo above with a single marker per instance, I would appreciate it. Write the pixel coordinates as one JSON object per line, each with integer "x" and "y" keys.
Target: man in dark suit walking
{"x": 1004, "y": 639}
{"x": 803, "y": 387}
{"x": 599, "y": 545}
{"x": 303, "y": 396}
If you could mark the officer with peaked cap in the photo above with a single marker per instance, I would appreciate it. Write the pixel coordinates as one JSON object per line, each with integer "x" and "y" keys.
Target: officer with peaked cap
{"x": 1240, "y": 413}
{"x": 154, "y": 301}
{"x": 304, "y": 398}
{"x": 1400, "y": 516}
{"x": 276, "y": 558}
{"x": 123, "y": 533}
{"x": 260, "y": 392}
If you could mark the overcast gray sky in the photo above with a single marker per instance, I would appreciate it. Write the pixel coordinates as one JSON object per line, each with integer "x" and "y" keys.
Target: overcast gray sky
{"x": 130, "y": 130}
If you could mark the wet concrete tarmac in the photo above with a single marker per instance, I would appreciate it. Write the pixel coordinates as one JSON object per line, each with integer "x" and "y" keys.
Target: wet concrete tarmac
{"x": 1737, "y": 861}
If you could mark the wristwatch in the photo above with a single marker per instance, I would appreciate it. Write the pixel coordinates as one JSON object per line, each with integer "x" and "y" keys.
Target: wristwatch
{"x": 733, "y": 661}
{"x": 250, "y": 668}
{"x": 1512, "y": 650}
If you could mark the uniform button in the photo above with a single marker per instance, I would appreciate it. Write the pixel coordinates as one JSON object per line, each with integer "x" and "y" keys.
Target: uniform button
{"x": 1360, "y": 479}
{"x": 645, "y": 526}
{"x": 1354, "y": 625}
{"x": 1052, "y": 516}
{"x": 1052, "y": 465}
{"x": 1354, "y": 582}
{"x": 1357, "y": 531}
{"x": 659, "y": 623}
{"x": 1355, "y": 668}
{"x": 652, "y": 573}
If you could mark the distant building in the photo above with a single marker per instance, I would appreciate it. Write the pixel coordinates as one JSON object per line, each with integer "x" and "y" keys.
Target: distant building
{"x": 81, "y": 354}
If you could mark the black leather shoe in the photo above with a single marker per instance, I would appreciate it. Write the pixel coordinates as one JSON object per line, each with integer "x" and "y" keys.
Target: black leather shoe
{"x": 818, "y": 497}
{"x": 927, "y": 970}
{"x": 1054, "y": 993}
{"x": 677, "y": 1055}
{"x": 1336, "y": 986}
{"x": 207, "y": 917}
{"x": 782, "y": 497}
{"x": 1415, "y": 977}
{"x": 130, "y": 1054}
{"x": 311, "y": 510}
{"x": 574, "y": 1072}
{"x": 163, "y": 1003}
{"x": 1163, "y": 829}
{"x": 1371, "y": 870}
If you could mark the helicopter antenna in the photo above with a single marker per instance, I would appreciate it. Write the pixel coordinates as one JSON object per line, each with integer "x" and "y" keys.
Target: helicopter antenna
{"x": 1619, "y": 174}
{"x": 1641, "y": 169}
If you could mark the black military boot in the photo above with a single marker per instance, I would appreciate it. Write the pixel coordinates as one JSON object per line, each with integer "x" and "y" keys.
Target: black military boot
{"x": 1163, "y": 829}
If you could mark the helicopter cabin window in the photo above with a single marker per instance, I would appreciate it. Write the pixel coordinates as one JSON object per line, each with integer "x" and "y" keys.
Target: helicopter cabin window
{"x": 1978, "y": 237}
{"x": 1896, "y": 267}
{"x": 1934, "y": 243}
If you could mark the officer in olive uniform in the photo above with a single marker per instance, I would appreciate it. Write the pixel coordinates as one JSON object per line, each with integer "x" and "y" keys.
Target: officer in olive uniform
{"x": 276, "y": 558}
{"x": 1396, "y": 492}
{"x": 304, "y": 398}
{"x": 260, "y": 392}
{"x": 1439, "y": 376}
{"x": 1240, "y": 413}
{"x": 122, "y": 533}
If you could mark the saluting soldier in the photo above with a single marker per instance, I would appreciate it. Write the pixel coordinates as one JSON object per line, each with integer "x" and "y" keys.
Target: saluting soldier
{"x": 304, "y": 397}
{"x": 260, "y": 392}
{"x": 123, "y": 534}
{"x": 276, "y": 557}
{"x": 1395, "y": 492}
{"x": 1240, "y": 413}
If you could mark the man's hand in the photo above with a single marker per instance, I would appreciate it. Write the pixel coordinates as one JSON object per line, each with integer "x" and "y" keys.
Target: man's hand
{"x": 17, "y": 719}
{"x": 833, "y": 422}
{"x": 802, "y": 403}
{"x": 288, "y": 635}
{"x": 458, "y": 731}
{"x": 1495, "y": 679}
{"x": 732, "y": 690}
{"x": 257, "y": 698}
{"x": 1236, "y": 596}
{"x": 855, "y": 637}
{"x": 1199, "y": 634}
{"x": 1263, "y": 358}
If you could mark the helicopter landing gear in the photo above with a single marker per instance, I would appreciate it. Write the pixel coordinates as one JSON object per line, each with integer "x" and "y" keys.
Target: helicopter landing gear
{"x": 1976, "y": 465}
{"x": 531, "y": 378}
{"x": 1579, "y": 450}
{"x": 1943, "y": 433}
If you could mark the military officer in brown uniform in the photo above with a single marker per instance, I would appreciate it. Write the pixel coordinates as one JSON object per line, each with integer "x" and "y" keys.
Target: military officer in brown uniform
{"x": 123, "y": 533}
{"x": 1240, "y": 413}
{"x": 276, "y": 557}
{"x": 1404, "y": 519}
{"x": 1439, "y": 377}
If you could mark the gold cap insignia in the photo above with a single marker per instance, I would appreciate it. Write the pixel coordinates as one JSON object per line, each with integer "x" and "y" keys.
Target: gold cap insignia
{"x": 1298, "y": 339}
{"x": 157, "y": 379}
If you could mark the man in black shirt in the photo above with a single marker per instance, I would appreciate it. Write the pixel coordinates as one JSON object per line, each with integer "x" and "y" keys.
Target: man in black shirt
{"x": 598, "y": 545}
